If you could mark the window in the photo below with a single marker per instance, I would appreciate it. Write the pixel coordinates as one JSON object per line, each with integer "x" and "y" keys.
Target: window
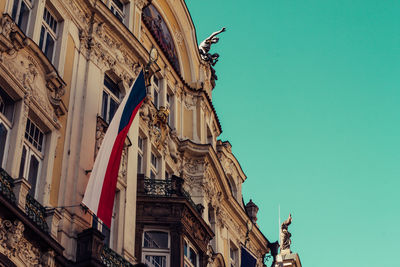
{"x": 6, "y": 117}
{"x": 156, "y": 250}
{"x": 32, "y": 155}
{"x": 156, "y": 92}
{"x": 110, "y": 101}
{"x": 154, "y": 166}
{"x": 21, "y": 12}
{"x": 170, "y": 105}
{"x": 140, "y": 155}
{"x": 117, "y": 8}
{"x": 233, "y": 255}
{"x": 48, "y": 35}
{"x": 190, "y": 255}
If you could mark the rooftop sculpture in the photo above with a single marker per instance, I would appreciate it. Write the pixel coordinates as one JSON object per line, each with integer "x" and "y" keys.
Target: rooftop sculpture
{"x": 204, "y": 50}
{"x": 285, "y": 234}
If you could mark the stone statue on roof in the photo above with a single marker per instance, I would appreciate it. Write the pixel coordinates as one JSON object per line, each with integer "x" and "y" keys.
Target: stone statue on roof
{"x": 285, "y": 234}
{"x": 204, "y": 50}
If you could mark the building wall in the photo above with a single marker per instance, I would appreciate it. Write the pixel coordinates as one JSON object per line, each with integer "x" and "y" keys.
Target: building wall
{"x": 91, "y": 43}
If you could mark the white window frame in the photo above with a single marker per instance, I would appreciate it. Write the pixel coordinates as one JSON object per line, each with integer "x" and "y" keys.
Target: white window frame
{"x": 170, "y": 99}
{"x": 120, "y": 14}
{"x": 187, "y": 261}
{"x": 140, "y": 167}
{"x": 29, "y": 5}
{"x": 49, "y": 32}
{"x": 111, "y": 95}
{"x": 7, "y": 125}
{"x": 154, "y": 168}
{"x": 156, "y": 89}
{"x": 155, "y": 251}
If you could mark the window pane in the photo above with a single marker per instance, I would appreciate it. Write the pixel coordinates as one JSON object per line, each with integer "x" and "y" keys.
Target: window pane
{"x": 22, "y": 165}
{"x": 23, "y": 17}
{"x": 155, "y": 239}
{"x": 156, "y": 98}
{"x": 3, "y": 139}
{"x": 156, "y": 261}
{"x": 119, "y": 4}
{"x": 41, "y": 41}
{"x": 104, "y": 106}
{"x": 49, "y": 47}
{"x": 193, "y": 257}
{"x": 15, "y": 10}
{"x": 113, "y": 108}
{"x": 185, "y": 249}
{"x": 112, "y": 86}
{"x": 33, "y": 173}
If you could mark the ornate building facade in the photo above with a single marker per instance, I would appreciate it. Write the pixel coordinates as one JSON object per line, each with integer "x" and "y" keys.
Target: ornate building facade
{"x": 64, "y": 67}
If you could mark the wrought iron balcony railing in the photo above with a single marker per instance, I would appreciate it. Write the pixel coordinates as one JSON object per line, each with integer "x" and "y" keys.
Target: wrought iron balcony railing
{"x": 156, "y": 187}
{"x": 110, "y": 258}
{"x": 166, "y": 188}
{"x": 6, "y": 185}
{"x": 36, "y": 212}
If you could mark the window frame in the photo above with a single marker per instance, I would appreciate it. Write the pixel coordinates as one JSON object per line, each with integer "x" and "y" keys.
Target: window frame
{"x": 118, "y": 13}
{"x": 32, "y": 151}
{"x": 157, "y": 251}
{"x": 154, "y": 168}
{"x": 29, "y": 4}
{"x": 48, "y": 31}
{"x": 233, "y": 262}
{"x": 110, "y": 95}
{"x": 7, "y": 123}
{"x": 155, "y": 86}
{"x": 187, "y": 258}
{"x": 140, "y": 169}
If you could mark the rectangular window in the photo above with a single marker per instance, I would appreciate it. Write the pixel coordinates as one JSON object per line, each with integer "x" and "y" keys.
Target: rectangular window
{"x": 21, "y": 13}
{"x": 48, "y": 35}
{"x": 140, "y": 155}
{"x": 191, "y": 258}
{"x": 154, "y": 166}
{"x": 170, "y": 105}
{"x": 117, "y": 8}
{"x": 156, "y": 92}
{"x": 233, "y": 254}
{"x": 110, "y": 100}
{"x": 32, "y": 155}
{"x": 6, "y": 117}
{"x": 156, "y": 248}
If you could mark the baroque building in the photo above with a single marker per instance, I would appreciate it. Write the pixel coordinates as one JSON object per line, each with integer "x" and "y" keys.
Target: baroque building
{"x": 65, "y": 65}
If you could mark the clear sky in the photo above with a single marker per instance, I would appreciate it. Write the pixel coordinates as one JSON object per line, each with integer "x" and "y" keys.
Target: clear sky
{"x": 308, "y": 94}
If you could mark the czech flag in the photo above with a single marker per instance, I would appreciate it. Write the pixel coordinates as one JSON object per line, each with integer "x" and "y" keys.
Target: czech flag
{"x": 100, "y": 191}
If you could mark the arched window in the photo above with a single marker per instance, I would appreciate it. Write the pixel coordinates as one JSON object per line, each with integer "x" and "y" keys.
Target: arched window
{"x": 111, "y": 98}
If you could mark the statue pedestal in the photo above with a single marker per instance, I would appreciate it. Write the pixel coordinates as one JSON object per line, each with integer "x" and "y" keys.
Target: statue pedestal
{"x": 287, "y": 259}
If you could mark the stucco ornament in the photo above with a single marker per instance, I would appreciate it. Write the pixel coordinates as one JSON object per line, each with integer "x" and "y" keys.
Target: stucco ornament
{"x": 14, "y": 244}
{"x": 160, "y": 126}
{"x": 285, "y": 234}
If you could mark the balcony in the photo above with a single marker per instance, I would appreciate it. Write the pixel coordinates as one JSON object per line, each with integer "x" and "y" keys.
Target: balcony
{"x": 172, "y": 187}
{"x": 91, "y": 251}
{"x": 6, "y": 186}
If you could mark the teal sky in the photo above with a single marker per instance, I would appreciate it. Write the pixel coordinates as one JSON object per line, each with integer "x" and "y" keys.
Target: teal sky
{"x": 308, "y": 95}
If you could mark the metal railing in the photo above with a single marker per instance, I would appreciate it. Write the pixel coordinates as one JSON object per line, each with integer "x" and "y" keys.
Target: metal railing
{"x": 36, "y": 212}
{"x": 110, "y": 258}
{"x": 6, "y": 185}
{"x": 156, "y": 187}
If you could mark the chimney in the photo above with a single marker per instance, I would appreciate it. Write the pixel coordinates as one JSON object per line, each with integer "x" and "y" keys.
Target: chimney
{"x": 252, "y": 210}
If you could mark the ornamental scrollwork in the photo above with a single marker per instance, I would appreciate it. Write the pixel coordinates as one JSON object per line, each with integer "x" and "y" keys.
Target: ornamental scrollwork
{"x": 13, "y": 242}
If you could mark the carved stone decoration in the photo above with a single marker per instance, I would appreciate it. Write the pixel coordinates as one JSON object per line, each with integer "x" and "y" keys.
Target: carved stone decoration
{"x": 160, "y": 126}
{"x": 172, "y": 147}
{"x": 285, "y": 234}
{"x": 190, "y": 101}
{"x": 141, "y": 3}
{"x": 13, "y": 242}
{"x": 179, "y": 37}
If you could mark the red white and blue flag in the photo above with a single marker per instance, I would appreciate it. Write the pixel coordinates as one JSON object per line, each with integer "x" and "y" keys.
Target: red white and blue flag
{"x": 100, "y": 191}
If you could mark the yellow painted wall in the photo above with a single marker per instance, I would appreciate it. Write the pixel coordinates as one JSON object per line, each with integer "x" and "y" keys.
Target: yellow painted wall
{"x": 178, "y": 117}
{"x": 2, "y": 6}
{"x": 68, "y": 69}
{"x": 188, "y": 123}
{"x": 198, "y": 126}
